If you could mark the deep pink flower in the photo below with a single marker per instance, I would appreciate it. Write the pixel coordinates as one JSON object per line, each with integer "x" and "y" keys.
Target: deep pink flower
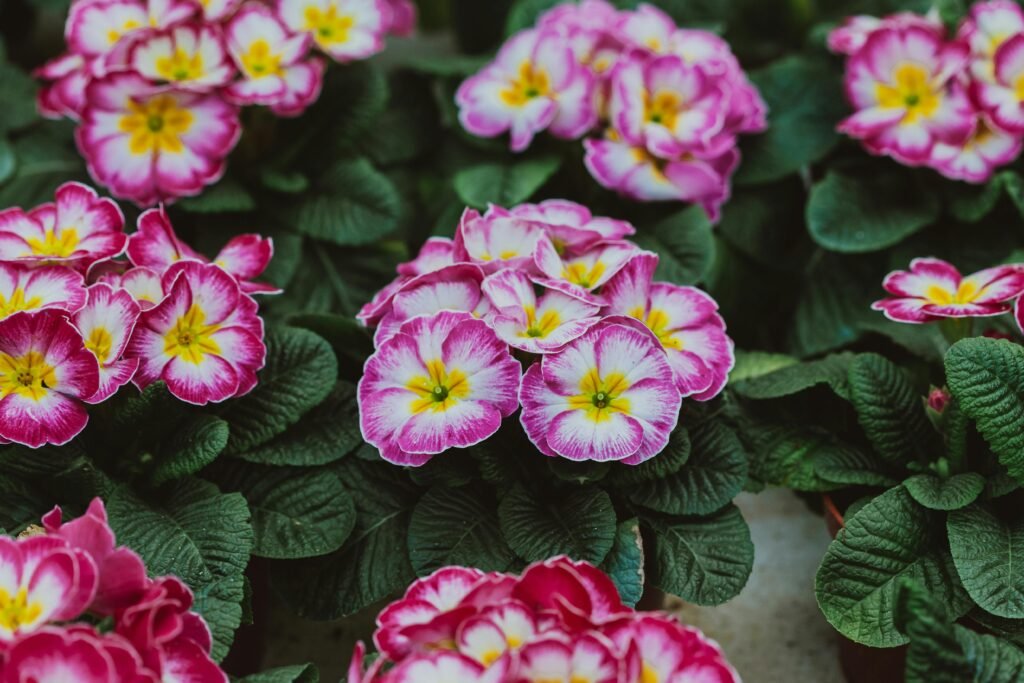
{"x": 106, "y": 323}
{"x": 78, "y": 654}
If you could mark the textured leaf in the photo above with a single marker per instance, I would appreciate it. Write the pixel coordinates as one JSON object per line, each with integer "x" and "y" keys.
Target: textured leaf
{"x": 191, "y": 448}
{"x": 888, "y": 409}
{"x": 833, "y": 303}
{"x": 792, "y": 379}
{"x": 299, "y": 673}
{"x": 625, "y": 562}
{"x": 993, "y": 660}
{"x": 869, "y": 211}
{"x": 350, "y": 341}
{"x": 684, "y": 243}
{"x": 754, "y": 364}
{"x": 987, "y": 552}
{"x": 580, "y": 524}
{"x": 667, "y": 463}
{"x": 300, "y": 372}
{"x": 197, "y": 533}
{"x": 852, "y": 467}
{"x": 710, "y": 479}
{"x": 296, "y": 512}
{"x": 953, "y": 493}
{"x": 986, "y": 376}
{"x": 703, "y": 560}
{"x": 586, "y": 472}
{"x": 326, "y": 433}
{"x": 372, "y": 564}
{"x": 504, "y": 184}
{"x": 934, "y": 654}
{"x": 789, "y": 455}
{"x": 226, "y": 196}
{"x": 888, "y": 539}
{"x": 457, "y": 527}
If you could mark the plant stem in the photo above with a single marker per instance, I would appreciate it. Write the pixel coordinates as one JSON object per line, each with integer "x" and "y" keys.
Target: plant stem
{"x": 955, "y": 329}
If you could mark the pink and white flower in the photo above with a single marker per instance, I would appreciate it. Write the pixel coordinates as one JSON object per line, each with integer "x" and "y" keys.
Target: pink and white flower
{"x": 1003, "y": 97}
{"x": 271, "y": 61}
{"x": 534, "y": 84}
{"x": 685, "y": 321}
{"x": 400, "y": 17}
{"x": 106, "y": 323}
{"x": 453, "y": 288}
{"x": 445, "y": 667}
{"x": 496, "y": 630}
{"x": 988, "y": 25}
{"x": 935, "y": 289}
{"x": 149, "y": 144}
{"x": 907, "y": 99}
{"x": 534, "y": 325}
{"x": 580, "y": 275}
{"x": 670, "y": 651}
{"x": 344, "y": 29}
{"x": 216, "y": 10}
{"x": 435, "y": 254}
{"x": 203, "y": 339}
{"x": 143, "y": 284}
{"x": 34, "y": 289}
{"x": 76, "y": 653}
{"x": 570, "y": 226}
{"x": 443, "y": 381}
{"x": 64, "y": 92}
{"x": 41, "y": 580}
{"x": 189, "y": 56}
{"x": 590, "y": 657}
{"x": 609, "y": 395}
{"x": 589, "y": 27}
{"x": 94, "y": 28}
{"x": 497, "y": 241}
{"x": 78, "y": 228}
{"x": 45, "y": 374}
{"x": 977, "y": 158}
{"x": 854, "y": 32}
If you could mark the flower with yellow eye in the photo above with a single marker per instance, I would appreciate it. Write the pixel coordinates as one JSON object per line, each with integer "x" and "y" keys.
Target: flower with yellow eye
{"x": 933, "y": 289}
{"x": 497, "y": 241}
{"x": 582, "y": 274}
{"x": 670, "y": 651}
{"x": 563, "y": 657}
{"x": 45, "y": 287}
{"x": 1003, "y": 97}
{"x": 190, "y": 56}
{"x": 985, "y": 28}
{"x": 344, "y": 29}
{"x": 106, "y": 323}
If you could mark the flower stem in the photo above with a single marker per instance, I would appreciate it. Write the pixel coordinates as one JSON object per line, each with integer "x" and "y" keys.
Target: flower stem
{"x": 955, "y": 329}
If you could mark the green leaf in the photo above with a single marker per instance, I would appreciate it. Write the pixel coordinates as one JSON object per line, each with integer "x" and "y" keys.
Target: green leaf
{"x": 580, "y": 524}
{"x": 833, "y": 303}
{"x": 197, "y": 533}
{"x": 993, "y": 660}
{"x": 18, "y": 93}
{"x": 685, "y": 244}
{"x": 300, "y": 372}
{"x": 889, "y": 410}
{"x": 625, "y": 562}
{"x": 703, "y": 560}
{"x": 296, "y": 512}
{"x": 504, "y": 184}
{"x": 792, "y": 379}
{"x": 457, "y": 527}
{"x": 971, "y": 203}
{"x": 350, "y": 341}
{"x": 524, "y": 14}
{"x": 372, "y": 565}
{"x": 805, "y": 102}
{"x": 890, "y": 538}
{"x": 934, "y": 654}
{"x": 299, "y": 673}
{"x": 46, "y": 159}
{"x": 666, "y": 464}
{"x": 326, "y": 433}
{"x": 227, "y": 196}
{"x": 986, "y": 376}
{"x": 790, "y": 456}
{"x": 190, "y": 448}
{"x": 849, "y": 466}
{"x": 710, "y": 479}
{"x": 937, "y": 493}
{"x": 869, "y": 211}
{"x": 8, "y": 161}
{"x": 754, "y": 364}
{"x": 286, "y": 182}
{"x": 987, "y": 551}
{"x": 1014, "y": 184}
{"x": 586, "y": 472}
{"x": 352, "y": 204}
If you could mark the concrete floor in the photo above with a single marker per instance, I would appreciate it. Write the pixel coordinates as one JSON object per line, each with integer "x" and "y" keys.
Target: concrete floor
{"x": 772, "y": 632}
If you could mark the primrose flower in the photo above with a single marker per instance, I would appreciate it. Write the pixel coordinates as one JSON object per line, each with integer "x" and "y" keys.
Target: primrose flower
{"x": 41, "y": 580}
{"x": 149, "y": 144}
{"x": 609, "y": 395}
{"x": 988, "y": 25}
{"x": 443, "y": 381}
{"x": 271, "y": 60}
{"x": 144, "y": 284}
{"x": 570, "y": 226}
{"x": 190, "y": 57}
{"x": 498, "y": 241}
{"x": 561, "y": 658}
{"x": 76, "y": 653}
{"x": 534, "y": 325}
{"x": 902, "y": 85}
{"x": 77, "y": 229}
{"x": 344, "y": 29}
{"x": 33, "y": 289}
{"x": 685, "y": 321}
{"x": 400, "y": 17}
{"x": 435, "y": 254}
{"x": 1003, "y": 98}
{"x": 106, "y": 323}
{"x": 935, "y": 289}
{"x": 215, "y": 10}
{"x": 670, "y": 651}
{"x": 581, "y": 274}
{"x": 63, "y": 93}
{"x": 589, "y": 27}
{"x": 45, "y": 374}
{"x": 854, "y": 32}
{"x": 203, "y": 339}
{"x": 975, "y": 160}
{"x": 534, "y": 84}
{"x": 496, "y": 630}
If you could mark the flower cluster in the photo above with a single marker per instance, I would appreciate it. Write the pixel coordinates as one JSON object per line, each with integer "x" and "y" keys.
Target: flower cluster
{"x": 156, "y": 84}
{"x": 954, "y": 105}
{"x": 611, "y": 353}
{"x": 934, "y": 290}
{"x": 58, "y": 581}
{"x": 77, "y": 324}
{"x": 559, "y": 621}
{"x": 668, "y": 102}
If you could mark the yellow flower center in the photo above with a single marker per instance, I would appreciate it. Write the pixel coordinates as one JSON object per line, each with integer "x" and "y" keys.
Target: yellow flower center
{"x": 18, "y": 302}
{"x": 583, "y": 275}
{"x": 658, "y": 322}
{"x": 259, "y": 61}
{"x": 966, "y": 293}
{"x": 1018, "y": 88}
{"x": 600, "y": 398}
{"x": 547, "y": 323}
{"x": 16, "y": 611}
{"x": 101, "y": 343}
{"x": 528, "y": 85}
{"x": 648, "y": 674}
{"x": 180, "y": 66}
{"x": 330, "y": 26}
{"x": 191, "y": 338}
{"x": 29, "y": 376}
{"x": 664, "y": 108}
{"x": 60, "y": 244}
{"x": 156, "y": 125}
{"x": 912, "y": 91}
{"x": 439, "y": 389}
{"x": 114, "y": 35}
